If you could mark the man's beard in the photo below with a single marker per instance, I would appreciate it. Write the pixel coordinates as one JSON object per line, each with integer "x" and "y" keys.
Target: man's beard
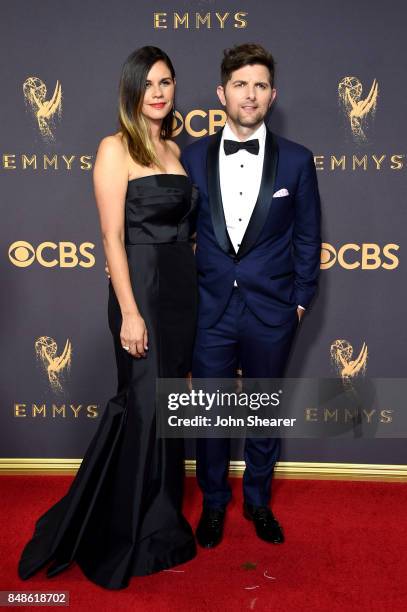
{"x": 249, "y": 121}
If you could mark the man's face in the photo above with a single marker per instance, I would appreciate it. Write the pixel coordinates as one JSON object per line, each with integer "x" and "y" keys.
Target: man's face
{"x": 247, "y": 95}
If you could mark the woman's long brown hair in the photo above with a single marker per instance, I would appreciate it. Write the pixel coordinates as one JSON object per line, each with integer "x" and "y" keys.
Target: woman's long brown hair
{"x": 133, "y": 125}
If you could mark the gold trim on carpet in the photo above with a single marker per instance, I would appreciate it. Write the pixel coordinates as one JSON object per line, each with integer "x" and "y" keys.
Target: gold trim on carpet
{"x": 284, "y": 469}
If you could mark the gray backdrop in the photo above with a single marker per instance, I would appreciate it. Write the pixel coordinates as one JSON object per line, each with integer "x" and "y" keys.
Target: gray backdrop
{"x": 81, "y": 46}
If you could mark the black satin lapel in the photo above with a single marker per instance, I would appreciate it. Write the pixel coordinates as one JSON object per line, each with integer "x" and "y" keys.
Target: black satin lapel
{"x": 215, "y": 195}
{"x": 265, "y": 197}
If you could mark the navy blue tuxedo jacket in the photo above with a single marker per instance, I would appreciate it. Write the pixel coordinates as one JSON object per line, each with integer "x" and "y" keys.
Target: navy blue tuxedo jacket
{"x": 277, "y": 264}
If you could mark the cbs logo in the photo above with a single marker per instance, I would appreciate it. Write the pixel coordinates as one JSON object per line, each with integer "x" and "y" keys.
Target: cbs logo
{"x": 210, "y": 119}
{"x": 49, "y": 254}
{"x": 367, "y": 256}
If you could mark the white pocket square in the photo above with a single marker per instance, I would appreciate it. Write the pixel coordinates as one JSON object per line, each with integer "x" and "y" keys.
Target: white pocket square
{"x": 280, "y": 193}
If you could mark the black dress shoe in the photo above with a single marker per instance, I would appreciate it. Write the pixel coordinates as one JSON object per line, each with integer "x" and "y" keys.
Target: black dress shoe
{"x": 210, "y": 527}
{"x": 267, "y": 526}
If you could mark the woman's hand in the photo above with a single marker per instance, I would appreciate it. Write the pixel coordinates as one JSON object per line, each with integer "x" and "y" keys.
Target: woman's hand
{"x": 133, "y": 335}
{"x": 107, "y": 269}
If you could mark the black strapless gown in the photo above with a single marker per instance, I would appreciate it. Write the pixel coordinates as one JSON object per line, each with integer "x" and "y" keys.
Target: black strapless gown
{"x": 122, "y": 516}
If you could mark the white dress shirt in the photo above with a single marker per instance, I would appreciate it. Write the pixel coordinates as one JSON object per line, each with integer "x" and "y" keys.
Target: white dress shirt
{"x": 240, "y": 178}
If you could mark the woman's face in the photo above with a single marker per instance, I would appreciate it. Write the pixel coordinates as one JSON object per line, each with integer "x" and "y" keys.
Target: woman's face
{"x": 159, "y": 92}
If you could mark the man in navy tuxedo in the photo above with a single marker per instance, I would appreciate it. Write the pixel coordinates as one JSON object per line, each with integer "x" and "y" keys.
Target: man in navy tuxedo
{"x": 258, "y": 257}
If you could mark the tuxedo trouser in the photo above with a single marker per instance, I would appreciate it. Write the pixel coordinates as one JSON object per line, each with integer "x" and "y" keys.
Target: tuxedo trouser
{"x": 240, "y": 338}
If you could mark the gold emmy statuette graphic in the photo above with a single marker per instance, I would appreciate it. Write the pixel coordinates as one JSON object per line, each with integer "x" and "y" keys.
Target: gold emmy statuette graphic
{"x": 35, "y": 93}
{"x": 356, "y": 108}
{"x": 341, "y": 355}
{"x": 54, "y": 365}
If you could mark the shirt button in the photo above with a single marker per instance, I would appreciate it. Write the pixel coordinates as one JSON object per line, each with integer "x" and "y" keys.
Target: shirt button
{"x": 239, "y": 219}
{"x": 240, "y": 192}
{"x": 241, "y": 165}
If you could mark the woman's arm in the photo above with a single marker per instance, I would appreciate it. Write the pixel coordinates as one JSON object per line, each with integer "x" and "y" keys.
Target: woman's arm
{"x": 110, "y": 178}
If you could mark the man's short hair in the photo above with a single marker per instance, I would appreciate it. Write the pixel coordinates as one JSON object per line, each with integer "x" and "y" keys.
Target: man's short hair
{"x": 245, "y": 55}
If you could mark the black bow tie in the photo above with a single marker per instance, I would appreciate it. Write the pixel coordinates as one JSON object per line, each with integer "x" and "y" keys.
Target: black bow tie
{"x": 233, "y": 146}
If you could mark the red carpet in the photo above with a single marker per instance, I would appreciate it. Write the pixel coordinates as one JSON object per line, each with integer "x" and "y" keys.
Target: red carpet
{"x": 345, "y": 550}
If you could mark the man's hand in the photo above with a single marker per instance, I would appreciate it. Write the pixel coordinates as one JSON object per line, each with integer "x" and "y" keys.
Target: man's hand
{"x": 107, "y": 269}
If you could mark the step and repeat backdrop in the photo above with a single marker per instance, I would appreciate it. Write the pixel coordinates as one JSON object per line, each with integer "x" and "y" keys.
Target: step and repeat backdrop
{"x": 340, "y": 91}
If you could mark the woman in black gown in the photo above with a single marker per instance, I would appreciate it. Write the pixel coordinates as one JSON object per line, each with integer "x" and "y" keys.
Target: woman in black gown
{"x": 122, "y": 516}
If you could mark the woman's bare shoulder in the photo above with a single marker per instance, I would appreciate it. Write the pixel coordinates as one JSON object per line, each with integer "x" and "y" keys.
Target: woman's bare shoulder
{"x": 114, "y": 145}
{"x": 174, "y": 147}
{"x": 111, "y": 158}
